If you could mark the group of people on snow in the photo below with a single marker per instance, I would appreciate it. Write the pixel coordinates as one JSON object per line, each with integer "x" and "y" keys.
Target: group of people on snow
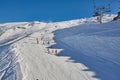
{"x": 49, "y": 50}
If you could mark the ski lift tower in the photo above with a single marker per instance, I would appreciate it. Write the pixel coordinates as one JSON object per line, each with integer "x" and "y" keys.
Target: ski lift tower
{"x": 99, "y": 11}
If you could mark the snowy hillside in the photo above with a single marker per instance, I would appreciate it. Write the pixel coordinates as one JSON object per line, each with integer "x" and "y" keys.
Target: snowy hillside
{"x": 71, "y": 50}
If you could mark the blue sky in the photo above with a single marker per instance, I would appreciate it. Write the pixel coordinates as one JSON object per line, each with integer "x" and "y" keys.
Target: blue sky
{"x": 46, "y": 10}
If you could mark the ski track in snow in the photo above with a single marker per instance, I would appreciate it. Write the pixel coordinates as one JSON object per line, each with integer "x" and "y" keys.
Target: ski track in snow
{"x": 86, "y": 51}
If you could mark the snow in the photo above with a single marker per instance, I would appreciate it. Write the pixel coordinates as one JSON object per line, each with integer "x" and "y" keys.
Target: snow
{"x": 79, "y": 49}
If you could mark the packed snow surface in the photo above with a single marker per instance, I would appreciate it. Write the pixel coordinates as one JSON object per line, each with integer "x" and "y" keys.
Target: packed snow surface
{"x": 71, "y": 50}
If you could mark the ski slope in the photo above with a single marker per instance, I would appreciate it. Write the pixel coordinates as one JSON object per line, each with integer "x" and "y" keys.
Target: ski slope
{"x": 71, "y": 50}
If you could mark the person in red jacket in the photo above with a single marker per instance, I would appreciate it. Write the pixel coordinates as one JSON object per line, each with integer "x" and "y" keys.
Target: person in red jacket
{"x": 56, "y": 52}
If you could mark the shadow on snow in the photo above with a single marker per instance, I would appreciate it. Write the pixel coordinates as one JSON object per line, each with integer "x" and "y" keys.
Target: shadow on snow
{"x": 103, "y": 69}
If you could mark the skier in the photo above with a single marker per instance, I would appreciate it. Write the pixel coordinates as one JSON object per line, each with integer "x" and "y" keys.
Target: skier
{"x": 53, "y": 39}
{"x": 37, "y": 40}
{"x": 41, "y": 38}
{"x": 48, "y": 50}
{"x": 48, "y": 42}
{"x": 55, "y": 52}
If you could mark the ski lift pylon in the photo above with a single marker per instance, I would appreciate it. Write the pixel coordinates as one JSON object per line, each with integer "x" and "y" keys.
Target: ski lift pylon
{"x": 100, "y": 10}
